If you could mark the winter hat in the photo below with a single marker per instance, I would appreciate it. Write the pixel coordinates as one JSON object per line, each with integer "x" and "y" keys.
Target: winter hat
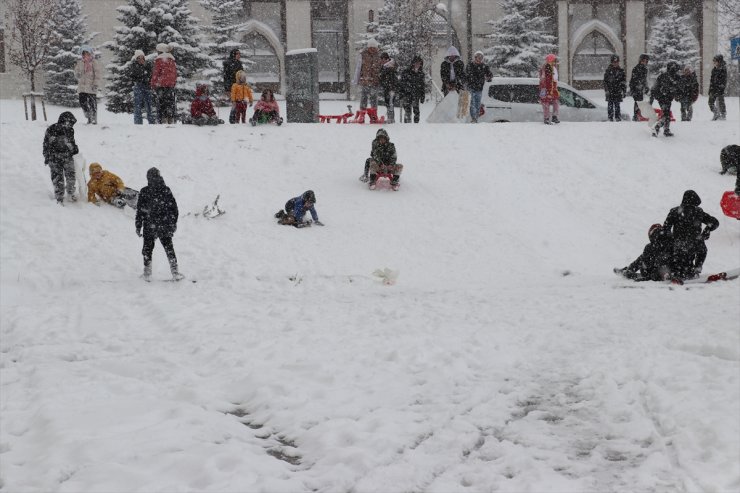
{"x": 67, "y": 118}
{"x": 718, "y": 58}
{"x": 371, "y": 43}
{"x": 309, "y": 196}
{"x": 478, "y": 53}
{"x": 614, "y": 58}
{"x": 95, "y": 167}
{"x": 86, "y": 48}
{"x": 690, "y": 197}
{"x": 163, "y": 48}
{"x": 551, "y": 58}
{"x": 645, "y": 56}
{"x": 153, "y": 178}
{"x": 137, "y": 54}
{"x": 382, "y": 133}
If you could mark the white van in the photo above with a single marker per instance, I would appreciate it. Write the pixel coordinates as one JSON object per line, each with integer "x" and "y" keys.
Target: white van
{"x": 510, "y": 99}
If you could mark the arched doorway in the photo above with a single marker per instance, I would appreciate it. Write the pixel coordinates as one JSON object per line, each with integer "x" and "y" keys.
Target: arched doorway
{"x": 595, "y": 44}
{"x": 261, "y": 60}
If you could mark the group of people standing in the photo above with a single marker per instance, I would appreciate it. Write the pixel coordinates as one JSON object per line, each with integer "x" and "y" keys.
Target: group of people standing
{"x": 155, "y": 82}
{"x": 468, "y": 80}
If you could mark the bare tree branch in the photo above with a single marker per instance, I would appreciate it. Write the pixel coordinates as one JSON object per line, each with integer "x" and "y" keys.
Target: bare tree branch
{"x": 29, "y": 34}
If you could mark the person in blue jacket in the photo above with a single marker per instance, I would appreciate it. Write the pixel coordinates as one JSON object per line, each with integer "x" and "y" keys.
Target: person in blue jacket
{"x": 296, "y": 208}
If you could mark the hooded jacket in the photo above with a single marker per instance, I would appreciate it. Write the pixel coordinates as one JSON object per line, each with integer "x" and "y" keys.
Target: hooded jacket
{"x": 367, "y": 70}
{"x": 164, "y": 73}
{"x": 383, "y": 153}
{"x": 59, "y": 140}
{"x": 548, "y": 83}
{"x": 615, "y": 84}
{"x": 688, "y": 88}
{"x": 639, "y": 80}
{"x": 448, "y": 66}
{"x": 718, "y": 79}
{"x": 411, "y": 86}
{"x": 388, "y": 76}
{"x": 141, "y": 73}
{"x": 231, "y": 67}
{"x": 655, "y": 261}
{"x": 267, "y": 106}
{"x": 665, "y": 89}
{"x": 202, "y": 105}
{"x": 477, "y": 74}
{"x": 88, "y": 81}
{"x": 241, "y": 91}
{"x": 685, "y": 221}
{"x": 106, "y": 186}
{"x": 156, "y": 212}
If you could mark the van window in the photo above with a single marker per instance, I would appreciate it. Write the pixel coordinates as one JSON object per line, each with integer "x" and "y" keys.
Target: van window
{"x": 570, "y": 99}
{"x": 514, "y": 93}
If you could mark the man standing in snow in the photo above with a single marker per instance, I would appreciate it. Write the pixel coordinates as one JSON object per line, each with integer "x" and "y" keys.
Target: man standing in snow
{"x": 59, "y": 147}
{"x": 389, "y": 83}
{"x": 156, "y": 217}
{"x": 231, "y": 67}
{"x": 688, "y": 92}
{"x": 411, "y": 89}
{"x": 684, "y": 223}
{"x": 141, "y": 75}
{"x": 367, "y": 76}
{"x": 615, "y": 88}
{"x": 87, "y": 72}
{"x": 717, "y": 84}
{"x": 639, "y": 84}
{"x": 665, "y": 91}
{"x": 477, "y": 74}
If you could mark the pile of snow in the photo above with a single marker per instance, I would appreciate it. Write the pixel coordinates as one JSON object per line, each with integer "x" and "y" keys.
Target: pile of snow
{"x": 504, "y": 356}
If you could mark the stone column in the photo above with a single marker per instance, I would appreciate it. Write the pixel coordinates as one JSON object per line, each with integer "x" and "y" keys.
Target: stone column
{"x": 635, "y": 35}
{"x": 564, "y": 54}
{"x": 302, "y": 82}
{"x": 709, "y": 43}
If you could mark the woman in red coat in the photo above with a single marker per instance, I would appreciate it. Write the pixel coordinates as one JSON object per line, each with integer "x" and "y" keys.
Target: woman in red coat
{"x": 164, "y": 78}
{"x": 549, "y": 94}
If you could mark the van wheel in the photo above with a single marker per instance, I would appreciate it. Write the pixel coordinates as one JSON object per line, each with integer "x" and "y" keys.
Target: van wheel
{"x": 501, "y": 121}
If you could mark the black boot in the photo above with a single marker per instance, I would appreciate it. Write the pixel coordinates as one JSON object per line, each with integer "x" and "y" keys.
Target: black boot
{"x": 373, "y": 179}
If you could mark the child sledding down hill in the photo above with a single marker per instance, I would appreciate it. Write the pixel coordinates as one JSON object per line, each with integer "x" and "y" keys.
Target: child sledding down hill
{"x": 266, "y": 110}
{"x": 296, "y": 208}
{"x": 201, "y": 109}
{"x": 109, "y": 188}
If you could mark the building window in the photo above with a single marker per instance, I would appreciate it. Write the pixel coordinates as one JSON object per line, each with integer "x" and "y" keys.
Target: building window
{"x": 2, "y": 51}
{"x": 329, "y": 35}
{"x": 263, "y": 65}
{"x": 592, "y": 57}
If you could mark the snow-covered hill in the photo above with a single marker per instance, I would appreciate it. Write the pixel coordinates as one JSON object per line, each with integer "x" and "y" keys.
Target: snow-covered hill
{"x": 506, "y": 357}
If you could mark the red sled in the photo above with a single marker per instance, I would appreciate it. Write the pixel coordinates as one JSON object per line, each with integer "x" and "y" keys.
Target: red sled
{"x": 658, "y": 113}
{"x": 730, "y": 204}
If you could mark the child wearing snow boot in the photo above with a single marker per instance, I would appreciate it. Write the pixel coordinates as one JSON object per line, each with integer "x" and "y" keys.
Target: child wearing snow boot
{"x": 59, "y": 147}
{"x": 296, "y": 208}
{"x": 109, "y": 188}
{"x": 382, "y": 160}
{"x": 241, "y": 97}
{"x": 266, "y": 110}
{"x": 654, "y": 263}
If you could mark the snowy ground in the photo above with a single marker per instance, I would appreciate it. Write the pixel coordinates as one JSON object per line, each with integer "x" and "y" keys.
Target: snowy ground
{"x": 506, "y": 358}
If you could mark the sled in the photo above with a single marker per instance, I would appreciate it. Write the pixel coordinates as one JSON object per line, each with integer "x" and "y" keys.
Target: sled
{"x": 343, "y": 118}
{"x": 389, "y": 177}
{"x": 730, "y": 204}
{"x": 653, "y": 114}
{"x": 349, "y": 117}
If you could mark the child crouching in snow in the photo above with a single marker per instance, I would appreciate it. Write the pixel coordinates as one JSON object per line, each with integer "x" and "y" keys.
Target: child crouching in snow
{"x": 266, "y": 110}
{"x": 201, "y": 109}
{"x": 654, "y": 263}
{"x": 240, "y": 94}
{"x": 296, "y": 208}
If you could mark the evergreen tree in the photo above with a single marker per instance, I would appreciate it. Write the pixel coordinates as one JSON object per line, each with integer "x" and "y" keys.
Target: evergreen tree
{"x": 671, "y": 39}
{"x": 405, "y": 29}
{"x": 520, "y": 39}
{"x": 67, "y": 28}
{"x": 226, "y": 17}
{"x": 145, "y": 24}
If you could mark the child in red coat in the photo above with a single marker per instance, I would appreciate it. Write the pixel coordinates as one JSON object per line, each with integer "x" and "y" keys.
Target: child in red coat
{"x": 201, "y": 109}
{"x": 266, "y": 110}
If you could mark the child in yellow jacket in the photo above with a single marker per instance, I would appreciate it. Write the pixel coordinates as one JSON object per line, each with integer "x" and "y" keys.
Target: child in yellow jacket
{"x": 109, "y": 187}
{"x": 240, "y": 94}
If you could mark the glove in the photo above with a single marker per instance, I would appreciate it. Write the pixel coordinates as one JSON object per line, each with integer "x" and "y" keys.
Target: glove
{"x": 302, "y": 224}
{"x": 705, "y": 234}
{"x": 318, "y": 223}
{"x": 138, "y": 233}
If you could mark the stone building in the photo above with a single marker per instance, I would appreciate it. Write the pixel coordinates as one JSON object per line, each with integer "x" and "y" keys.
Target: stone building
{"x": 588, "y": 32}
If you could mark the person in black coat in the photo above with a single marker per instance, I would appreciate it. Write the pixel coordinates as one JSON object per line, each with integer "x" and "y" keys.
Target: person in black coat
{"x": 688, "y": 93}
{"x": 452, "y": 71}
{"x": 639, "y": 86}
{"x": 655, "y": 262}
{"x": 389, "y": 83}
{"x": 729, "y": 157}
{"x": 141, "y": 75}
{"x": 59, "y": 149}
{"x": 477, "y": 74}
{"x": 717, "y": 85}
{"x": 665, "y": 91}
{"x": 231, "y": 66}
{"x": 685, "y": 224}
{"x": 411, "y": 89}
{"x": 615, "y": 87}
{"x": 156, "y": 217}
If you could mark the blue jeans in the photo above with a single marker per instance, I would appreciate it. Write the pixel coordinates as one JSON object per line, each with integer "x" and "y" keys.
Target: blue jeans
{"x": 142, "y": 97}
{"x": 475, "y": 97}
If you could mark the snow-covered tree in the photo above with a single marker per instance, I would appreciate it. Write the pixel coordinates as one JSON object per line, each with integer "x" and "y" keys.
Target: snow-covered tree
{"x": 145, "y": 23}
{"x": 226, "y": 17}
{"x": 405, "y": 29}
{"x": 67, "y": 31}
{"x": 671, "y": 39}
{"x": 29, "y": 43}
{"x": 520, "y": 39}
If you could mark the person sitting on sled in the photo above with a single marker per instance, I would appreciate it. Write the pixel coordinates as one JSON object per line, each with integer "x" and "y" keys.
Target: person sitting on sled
{"x": 655, "y": 261}
{"x": 266, "y": 110}
{"x": 685, "y": 224}
{"x": 201, "y": 109}
{"x": 382, "y": 160}
{"x": 109, "y": 188}
{"x": 296, "y": 208}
